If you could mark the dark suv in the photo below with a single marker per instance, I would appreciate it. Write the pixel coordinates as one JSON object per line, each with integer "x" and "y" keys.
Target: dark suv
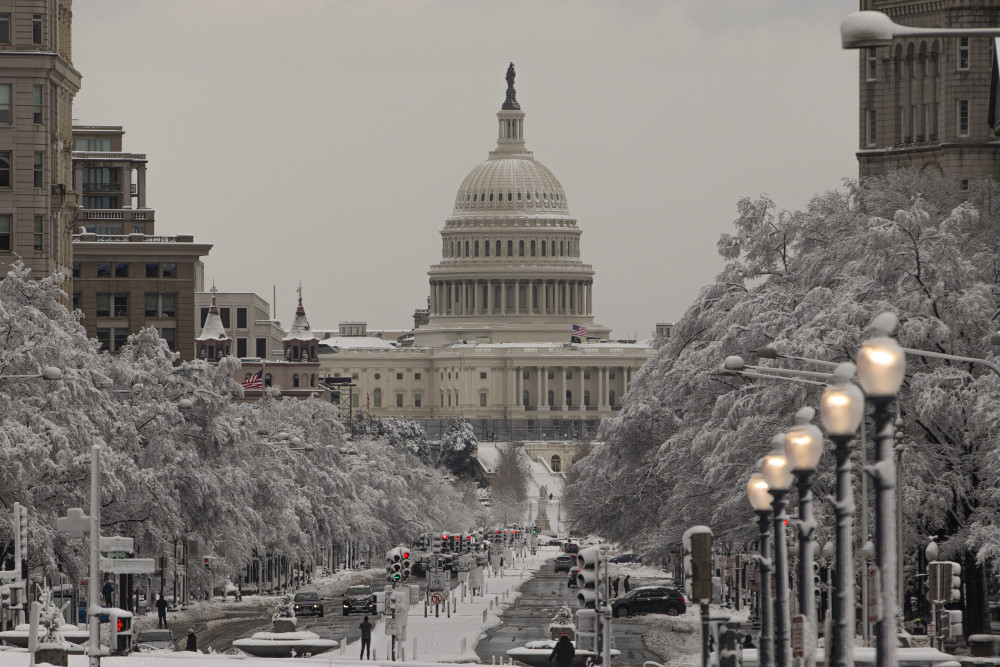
{"x": 308, "y": 604}
{"x": 650, "y": 600}
{"x": 359, "y": 600}
{"x": 564, "y": 563}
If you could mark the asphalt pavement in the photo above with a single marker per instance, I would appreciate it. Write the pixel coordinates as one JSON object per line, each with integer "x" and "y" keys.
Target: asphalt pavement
{"x": 527, "y": 619}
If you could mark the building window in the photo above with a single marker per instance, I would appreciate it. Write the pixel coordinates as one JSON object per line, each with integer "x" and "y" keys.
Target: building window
{"x": 104, "y": 269}
{"x": 482, "y": 375}
{"x": 963, "y": 53}
{"x": 121, "y": 305}
{"x": 224, "y": 316}
{"x": 524, "y": 375}
{"x": 466, "y": 248}
{"x": 510, "y": 248}
{"x": 241, "y": 318}
{"x": 377, "y": 398}
{"x": 37, "y": 170}
{"x": 151, "y": 306}
{"x": 5, "y": 103}
{"x": 399, "y": 376}
{"x": 152, "y": 270}
{"x": 486, "y": 249}
{"x": 416, "y": 401}
{"x": 552, "y": 375}
{"x": 168, "y": 305}
{"x": 524, "y": 398}
{"x": 170, "y": 336}
{"x": 416, "y": 376}
{"x": 399, "y": 400}
{"x": 569, "y": 375}
{"x": 121, "y": 269}
{"x": 355, "y": 400}
{"x": 963, "y": 118}
{"x": 611, "y": 375}
{"x": 76, "y": 269}
{"x": 378, "y": 376}
{"x": 4, "y": 169}
{"x": 476, "y": 249}
{"x": 870, "y": 127}
{"x": 261, "y": 346}
{"x": 354, "y": 376}
{"x": 39, "y": 237}
{"x": 520, "y": 245}
{"x": 5, "y": 28}
{"x": 551, "y": 398}
{"x": 76, "y": 300}
{"x": 36, "y": 28}
{"x": 482, "y": 399}
{"x": 267, "y": 379}
{"x": 963, "y": 185}
{"x": 104, "y": 338}
{"x": 121, "y": 338}
{"x": 295, "y": 380}
{"x": 104, "y": 305}
{"x": 36, "y": 108}
{"x": 555, "y": 463}
{"x": 586, "y": 397}
{"x": 170, "y": 269}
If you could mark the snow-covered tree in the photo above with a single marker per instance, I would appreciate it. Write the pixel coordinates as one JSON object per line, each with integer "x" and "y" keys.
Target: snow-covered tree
{"x": 809, "y": 283}
{"x": 458, "y": 447}
{"x": 509, "y": 484}
{"x": 284, "y": 609}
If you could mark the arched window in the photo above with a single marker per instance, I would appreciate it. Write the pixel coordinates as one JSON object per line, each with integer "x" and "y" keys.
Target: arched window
{"x": 499, "y": 248}
{"x": 476, "y": 249}
{"x": 377, "y": 398}
{"x": 552, "y": 248}
{"x": 267, "y": 379}
{"x": 295, "y": 380}
{"x": 561, "y": 251}
{"x": 521, "y": 248}
{"x": 555, "y": 463}
{"x": 543, "y": 248}
{"x": 466, "y": 248}
{"x": 552, "y": 398}
{"x": 491, "y": 196}
{"x": 524, "y": 398}
{"x": 532, "y": 248}
{"x": 586, "y": 397}
{"x": 510, "y": 196}
{"x": 486, "y": 249}
{"x": 518, "y": 196}
{"x": 510, "y": 248}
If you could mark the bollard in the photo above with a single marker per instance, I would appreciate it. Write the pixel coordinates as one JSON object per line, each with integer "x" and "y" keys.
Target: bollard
{"x": 374, "y": 654}
{"x": 402, "y": 652}
{"x": 493, "y": 660}
{"x": 413, "y": 651}
{"x": 484, "y": 615}
{"x": 463, "y": 645}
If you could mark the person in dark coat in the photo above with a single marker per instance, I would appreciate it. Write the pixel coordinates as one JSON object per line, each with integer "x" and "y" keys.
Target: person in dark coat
{"x": 161, "y": 612}
{"x": 614, "y": 586}
{"x": 192, "y": 642}
{"x": 626, "y": 584}
{"x": 366, "y": 638}
{"x": 109, "y": 592}
{"x": 563, "y": 653}
{"x": 748, "y": 642}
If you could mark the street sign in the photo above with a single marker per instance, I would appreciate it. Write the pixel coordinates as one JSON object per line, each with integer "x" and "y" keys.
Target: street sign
{"x": 798, "y": 636}
{"x": 931, "y": 630}
{"x": 436, "y": 581}
{"x": 437, "y": 597}
{"x": 128, "y": 565}
{"x": 125, "y": 545}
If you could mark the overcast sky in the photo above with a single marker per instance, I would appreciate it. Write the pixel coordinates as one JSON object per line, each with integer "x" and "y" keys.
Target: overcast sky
{"x": 324, "y": 141}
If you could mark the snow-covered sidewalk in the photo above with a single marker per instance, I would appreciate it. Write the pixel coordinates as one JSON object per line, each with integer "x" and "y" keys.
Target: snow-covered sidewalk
{"x": 454, "y": 639}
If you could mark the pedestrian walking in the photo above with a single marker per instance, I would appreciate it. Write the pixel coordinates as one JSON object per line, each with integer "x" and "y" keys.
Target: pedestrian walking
{"x": 161, "y": 612}
{"x": 614, "y": 586}
{"x": 192, "y": 642}
{"x": 626, "y": 584}
{"x": 366, "y": 639}
{"x": 748, "y": 642}
{"x": 563, "y": 653}
{"x": 108, "y": 592}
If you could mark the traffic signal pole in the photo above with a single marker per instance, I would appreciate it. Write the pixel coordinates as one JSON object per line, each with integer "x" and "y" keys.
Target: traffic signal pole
{"x": 606, "y": 630}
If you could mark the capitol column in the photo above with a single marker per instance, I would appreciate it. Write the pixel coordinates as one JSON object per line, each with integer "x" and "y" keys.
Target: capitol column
{"x": 488, "y": 299}
{"x": 544, "y": 398}
{"x": 517, "y": 297}
{"x": 579, "y": 390}
{"x": 603, "y": 403}
{"x": 538, "y": 381}
{"x": 590, "y": 297}
{"x": 561, "y": 389}
{"x": 543, "y": 289}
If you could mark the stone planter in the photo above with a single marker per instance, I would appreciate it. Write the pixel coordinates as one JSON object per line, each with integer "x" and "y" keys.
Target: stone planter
{"x": 984, "y": 646}
{"x": 557, "y": 630}
{"x": 53, "y": 656}
{"x": 285, "y": 624}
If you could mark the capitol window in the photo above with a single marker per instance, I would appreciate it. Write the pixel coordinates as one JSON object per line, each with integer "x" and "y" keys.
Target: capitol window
{"x": 486, "y": 249}
{"x": 561, "y": 252}
{"x": 518, "y": 196}
{"x": 510, "y": 197}
{"x": 482, "y": 400}
{"x": 521, "y": 248}
{"x": 528, "y": 195}
{"x": 510, "y": 248}
{"x": 377, "y": 398}
{"x": 491, "y": 196}
{"x": 532, "y": 248}
{"x": 543, "y": 248}
{"x": 477, "y": 249}
{"x": 466, "y": 248}
{"x": 552, "y": 249}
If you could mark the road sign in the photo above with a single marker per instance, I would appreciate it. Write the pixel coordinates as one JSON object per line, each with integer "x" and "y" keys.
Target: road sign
{"x": 128, "y": 565}
{"x": 931, "y": 630}
{"x": 437, "y": 597}
{"x": 436, "y": 581}
{"x": 798, "y": 636}
{"x": 117, "y": 543}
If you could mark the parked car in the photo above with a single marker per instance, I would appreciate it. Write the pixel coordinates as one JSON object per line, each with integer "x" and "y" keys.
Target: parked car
{"x": 564, "y": 563}
{"x": 573, "y": 571}
{"x": 650, "y": 600}
{"x": 627, "y": 558}
{"x": 308, "y": 604}
{"x": 359, "y": 600}
{"x": 155, "y": 640}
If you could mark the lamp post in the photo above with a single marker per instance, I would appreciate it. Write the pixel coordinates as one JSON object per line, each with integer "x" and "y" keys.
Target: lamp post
{"x": 760, "y": 500}
{"x": 870, "y": 28}
{"x": 778, "y": 475}
{"x": 881, "y": 369}
{"x": 841, "y": 409}
{"x": 868, "y": 555}
{"x": 803, "y": 449}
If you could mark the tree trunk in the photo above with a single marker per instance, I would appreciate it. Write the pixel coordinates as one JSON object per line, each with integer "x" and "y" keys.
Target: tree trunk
{"x": 976, "y": 618}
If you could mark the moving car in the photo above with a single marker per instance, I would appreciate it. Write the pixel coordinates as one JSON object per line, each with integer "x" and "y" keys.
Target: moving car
{"x": 650, "y": 600}
{"x": 572, "y": 577}
{"x": 155, "y": 640}
{"x": 627, "y": 558}
{"x": 564, "y": 563}
{"x": 359, "y": 600}
{"x": 308, "y": 604}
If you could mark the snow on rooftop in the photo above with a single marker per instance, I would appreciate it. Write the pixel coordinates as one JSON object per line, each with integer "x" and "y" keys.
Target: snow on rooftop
{"x": 356, "y": 342}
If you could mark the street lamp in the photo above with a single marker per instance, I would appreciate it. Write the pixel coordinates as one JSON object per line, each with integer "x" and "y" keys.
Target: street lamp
{"x": 760, "y": 500}
{"x": 841, "y": 408}
{"x": 803, "y": 449}
{"x": 777, "y": 473}
{"x": 881, "y": 369}
{"x": 864, "y": 29}
{"x": 47, "y": 373}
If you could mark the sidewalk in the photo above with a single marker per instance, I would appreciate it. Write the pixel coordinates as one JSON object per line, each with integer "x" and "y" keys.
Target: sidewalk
{"x": 454, "y": 639}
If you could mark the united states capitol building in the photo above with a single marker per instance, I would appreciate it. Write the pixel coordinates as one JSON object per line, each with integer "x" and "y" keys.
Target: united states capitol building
{"x": 495, "y": 344}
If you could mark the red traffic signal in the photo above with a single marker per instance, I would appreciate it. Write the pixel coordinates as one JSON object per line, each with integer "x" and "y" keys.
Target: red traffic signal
{"x": 406, "y": 554}
{"x": 496, "y": 532}
{"x": 444, "y": 536}
{"x": 121, "y": 624}
{"x": 468, "y": 538}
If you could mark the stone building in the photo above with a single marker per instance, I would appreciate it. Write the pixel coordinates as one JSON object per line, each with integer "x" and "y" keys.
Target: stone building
{"x": 125, "y": 277}
{"x": 246, "y": 318}
{"x": 37, "y": 86}
{"x": 925, "y": 102}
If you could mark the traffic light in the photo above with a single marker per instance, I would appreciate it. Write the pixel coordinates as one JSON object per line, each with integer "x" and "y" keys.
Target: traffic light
{"x": 394, "y": 564}
{"x": 208, "y": 562}
{"x": 588, "y": 580}
{"x": 586, "y": 630}
{"x": 121, "y": 631}
{"x": 467, "y": 544}
{"x": 951, "y": 619}
{"x": 944, "y": 582}
{"x": 445, "y": 543}
{"x": 23, "y": 529}
{"x": 697, "y": 542}
{"x": 405, "y": 562}
{"x": 955, "y": 585}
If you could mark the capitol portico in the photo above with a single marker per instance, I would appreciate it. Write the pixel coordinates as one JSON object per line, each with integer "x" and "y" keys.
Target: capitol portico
{"x": 495, "y": 342}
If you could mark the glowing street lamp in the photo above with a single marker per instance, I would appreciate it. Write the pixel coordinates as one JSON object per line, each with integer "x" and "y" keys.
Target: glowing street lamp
{"x": 778, "y": 474}
{"x": 760, "y": 500}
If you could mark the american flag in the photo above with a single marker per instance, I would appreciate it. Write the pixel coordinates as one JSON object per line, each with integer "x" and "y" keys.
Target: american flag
{"x": 578, "y": 331}
{"x": 255, "y": 381}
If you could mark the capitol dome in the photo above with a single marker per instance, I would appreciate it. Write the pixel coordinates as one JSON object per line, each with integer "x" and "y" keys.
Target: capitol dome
{"x": 510, "y": 183}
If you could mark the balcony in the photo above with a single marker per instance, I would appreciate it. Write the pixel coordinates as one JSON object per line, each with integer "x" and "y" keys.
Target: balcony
{"x": 123, "y": 214}
{"x": 102, "y": 187}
